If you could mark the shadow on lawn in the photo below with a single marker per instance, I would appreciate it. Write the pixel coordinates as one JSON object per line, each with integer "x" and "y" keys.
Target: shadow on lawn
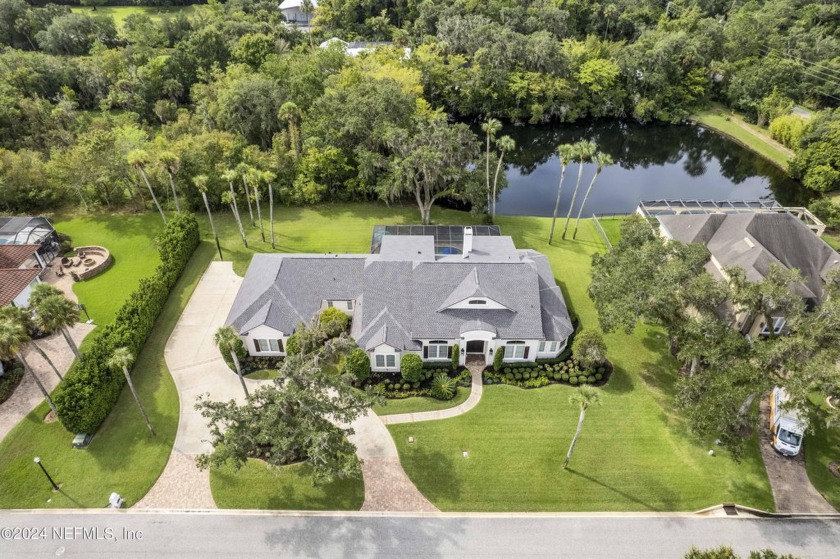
{"x": 668, "y": 499}
{"x": 435, "y": 489}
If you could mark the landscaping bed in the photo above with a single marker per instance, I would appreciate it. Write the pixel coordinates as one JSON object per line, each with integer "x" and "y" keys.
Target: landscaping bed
{"x": 10, "y": 380}
{"x": 549, "y": 371}
{"x": 394, "y": 387}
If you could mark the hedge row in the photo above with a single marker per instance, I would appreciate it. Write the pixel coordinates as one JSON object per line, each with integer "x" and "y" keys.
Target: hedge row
{"x": 535, "y": 375}
{"x": 91, "y": 389}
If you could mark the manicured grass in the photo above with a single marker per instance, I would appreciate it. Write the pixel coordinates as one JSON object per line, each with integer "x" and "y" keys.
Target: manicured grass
{"x": 263, "y": 374}
{"x": 131, "y": 240}
{"x": 123, "y": 456}
{"x": 822, "y": 447}
{"x": 759, "y": 141}
{"x": 259, "y": 486}
{"x": 612, "y": 227}
{"x": 119, "y": 13}
{"x": 417, "y": 404}
{"x": 635, "y": 452}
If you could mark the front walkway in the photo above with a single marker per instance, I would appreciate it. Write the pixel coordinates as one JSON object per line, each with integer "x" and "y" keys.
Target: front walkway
{"x": 792, "y": 490}
{"x": 27, "y": 395}
{"x": 476, "y": 390}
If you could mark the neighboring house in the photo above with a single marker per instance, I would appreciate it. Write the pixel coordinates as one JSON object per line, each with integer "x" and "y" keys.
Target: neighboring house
{"x": 292, "y": 10}
{"x": 754, "y": 241}
{"x": 418, "y": 294}
{"x": 30, "y": 231}
{"x": 356, "y": 48}
{"x": 20, "y": 269}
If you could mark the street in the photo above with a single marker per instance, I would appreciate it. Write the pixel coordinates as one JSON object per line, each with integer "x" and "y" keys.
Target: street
{"x": 163, "y": 534}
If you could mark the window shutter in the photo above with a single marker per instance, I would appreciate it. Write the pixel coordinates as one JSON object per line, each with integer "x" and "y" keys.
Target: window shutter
{"x": 257, "y": 346}
{"x": 527, "y": 348}
{"x": 280, "y": 344}
{"x": 449, "y": 351}
{"x": 425, "y": 352}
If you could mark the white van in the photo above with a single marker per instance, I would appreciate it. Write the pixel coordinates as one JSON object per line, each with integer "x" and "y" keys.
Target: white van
{"x": 786, "y": 427}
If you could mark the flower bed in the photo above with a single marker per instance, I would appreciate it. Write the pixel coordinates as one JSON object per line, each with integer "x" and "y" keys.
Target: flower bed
{"x": 394, "y": 387}
{"x": 549, "y": 371}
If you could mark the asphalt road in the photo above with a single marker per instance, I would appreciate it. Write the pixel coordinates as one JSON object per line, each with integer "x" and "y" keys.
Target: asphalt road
{"x": 127, "y": 534}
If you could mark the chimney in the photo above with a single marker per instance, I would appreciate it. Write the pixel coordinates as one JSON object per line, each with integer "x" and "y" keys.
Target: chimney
{"x": 468, "y": 240}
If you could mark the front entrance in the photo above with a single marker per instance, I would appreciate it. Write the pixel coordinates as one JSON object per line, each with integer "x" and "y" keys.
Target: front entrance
{"x": 475, "y": 352}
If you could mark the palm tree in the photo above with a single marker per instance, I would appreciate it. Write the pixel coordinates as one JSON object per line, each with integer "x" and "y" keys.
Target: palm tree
{"x": 269, "y": 177}
{"x": 584, "y": 150}
{"x": 122, "y": 359}
{"x": 13, "y": 338}
{"x": 171, "y": 164}
{"x": 254, "y": 178}
{"x": 505, "y": 144}
{"x": 230, "y": 199}
{"x": 566, "y": 153}
{"x": 200, "y": 182}
{"x": 242, "y": 169}
{"x": 226, "y": 339}
{"x": 21, "y": 315}
{"x": 57, "y": 313}
{"x": 138, "y": 159}
{"x": 490, "y": 129}
{"x": 601, "y": 160}
{"x": 584, "y": 397}
{"x": 291, "y": 115}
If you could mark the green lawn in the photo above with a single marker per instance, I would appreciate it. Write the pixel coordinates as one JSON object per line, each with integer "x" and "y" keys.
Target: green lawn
{"x": 725, "y": 122}
{"x": 417, "y": 404}
{"x": 123, "y": 456}
{"x": 821, "y": 447}
{"x": 634, "y": 454}
{"x": 119, "y": 13}
{"x": 259, "y": 486}
{"x": 612, "y": 227}
{"x": 263, "y": 374}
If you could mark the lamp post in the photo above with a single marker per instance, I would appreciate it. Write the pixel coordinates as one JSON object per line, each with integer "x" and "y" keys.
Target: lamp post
{"x": 82, "y": 308}
{"x": 49, "y": 477}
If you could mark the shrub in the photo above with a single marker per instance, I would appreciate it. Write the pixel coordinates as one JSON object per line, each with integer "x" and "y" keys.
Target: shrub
{"x": 573, "y": 380}
{"x": 558, "y": 376}
{"x": 10, "y": 380}
{"x": 564, "y": 377}
{"x": 589, "y": 348}
{"x": 358, "y": 364}
{"x": 443, "y": 387}
{"x": 91, "y": 389}
{"x": 590, "y": 378}
{"x": 787, "y": 130}
{"x": 507, "y": 370}
{"x": 411, "y": 367}
{"x": 406, "y": 386}
{"x": 509, "y": 376}
{"x": 601, "y": 370}
{"x": 598, "y": 376}
{"x": 333, "y": 321}
{"x": 498, "y": 358}
{"x": 517, "y": 376}
{"x": 292, "y": 345}
{"x": 456, "y": 356}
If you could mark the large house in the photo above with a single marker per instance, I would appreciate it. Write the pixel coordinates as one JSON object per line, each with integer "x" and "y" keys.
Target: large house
{"x": 295, "y": 13}
{"x": 415, "y": 293}
{"x": 753, "y": 242}
{"x": 20, "y": 271}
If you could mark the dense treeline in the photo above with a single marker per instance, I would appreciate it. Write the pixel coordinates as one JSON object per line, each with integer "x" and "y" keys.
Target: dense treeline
{"x": 232, "y": 94}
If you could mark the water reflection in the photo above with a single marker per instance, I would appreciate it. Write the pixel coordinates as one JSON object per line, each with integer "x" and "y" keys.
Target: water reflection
{"x": 652, "y": 161}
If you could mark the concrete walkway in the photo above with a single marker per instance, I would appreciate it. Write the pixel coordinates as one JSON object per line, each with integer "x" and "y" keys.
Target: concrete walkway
{"x": 27, "y": 395}
{"x": 476, "y": 390}
{"x": 792, "y": 490}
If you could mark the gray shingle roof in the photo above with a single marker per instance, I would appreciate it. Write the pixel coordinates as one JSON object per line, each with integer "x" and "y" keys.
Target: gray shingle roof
{"x": 755, "y": 241}
{"x": 399, "y": 302}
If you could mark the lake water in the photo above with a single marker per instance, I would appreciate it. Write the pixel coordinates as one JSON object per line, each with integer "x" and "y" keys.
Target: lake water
{"x": 651, "y": 162}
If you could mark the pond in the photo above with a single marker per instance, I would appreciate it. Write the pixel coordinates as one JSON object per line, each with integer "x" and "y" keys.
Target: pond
{"x": 651, "y": 162}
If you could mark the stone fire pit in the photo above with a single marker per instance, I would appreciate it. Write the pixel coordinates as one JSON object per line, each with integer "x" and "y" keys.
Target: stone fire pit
{"x": 88, "y": 262}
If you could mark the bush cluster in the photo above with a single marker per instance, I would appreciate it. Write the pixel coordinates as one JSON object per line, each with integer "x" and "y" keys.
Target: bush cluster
{"x": 430, "y": 383}
{"x": 411, "y": 367}
{"x": 91, "y": 389}
{"x": 10, "y": 379}
{"x": 545, "y": 372}
{"x": 358, "y": 364}
{"x": 334, "y": 321}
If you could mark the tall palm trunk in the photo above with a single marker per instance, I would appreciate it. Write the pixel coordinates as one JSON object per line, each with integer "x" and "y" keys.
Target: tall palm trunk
{"x": 574, "y": 196}
{"x": 271, "y": 213}
{"x": 487, "y": 170}
{"x": 46, "y": 358}
{"x": 496, "y": 182}
{"x": 239, "y": 372}
{"x": 174, "y": 193}
{"x": 574, "y": 440}
{"x": 152, "y": 192}
{"x": 259, "y": 212}
{"x": 71, "y": 343}
{"x": 212, "y": 225}
{"x": 585, "y": 198}
{"x": 557, "y": 203}
{"x": 235, "y": 209}
{"x": 46, "y": 394}
{"x": 248, "y": 197}
{"x": 137, "y": 399}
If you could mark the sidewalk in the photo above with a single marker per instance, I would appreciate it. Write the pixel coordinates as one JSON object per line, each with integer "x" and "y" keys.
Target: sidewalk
{"x": 476, "y": 390}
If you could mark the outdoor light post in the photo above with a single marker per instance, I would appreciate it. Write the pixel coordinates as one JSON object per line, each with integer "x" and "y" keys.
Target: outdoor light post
{"x": 84, "y": 309}
{"x": 49, "y": 477}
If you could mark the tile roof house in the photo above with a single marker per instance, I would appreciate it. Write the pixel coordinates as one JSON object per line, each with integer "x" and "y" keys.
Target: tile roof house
{"x": 753, "y": 242}
{"x": 20, "y": 270}
{"x": 411, "y": 298}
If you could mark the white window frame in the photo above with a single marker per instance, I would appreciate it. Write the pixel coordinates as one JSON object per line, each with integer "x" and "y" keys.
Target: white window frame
{"x": 267, "y": 345}
{"x": 778, "y": 326}
{"x": 390, "y": 361}
{"x": 514, "y": 348}
{"x": 385, "y": 361}
{"x": 440, "y": 348}
{"x": 377, "y": 359}
{"x": 349, "y": 305}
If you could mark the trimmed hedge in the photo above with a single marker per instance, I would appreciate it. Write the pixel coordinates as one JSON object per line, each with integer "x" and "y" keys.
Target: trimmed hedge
{"x": 91, "y": 389}
{"x": 548, "y": 371}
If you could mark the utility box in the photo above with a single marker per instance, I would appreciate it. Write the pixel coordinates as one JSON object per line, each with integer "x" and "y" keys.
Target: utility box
{"x": 81, "y": 440}
{"x": 115, "y": 501}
